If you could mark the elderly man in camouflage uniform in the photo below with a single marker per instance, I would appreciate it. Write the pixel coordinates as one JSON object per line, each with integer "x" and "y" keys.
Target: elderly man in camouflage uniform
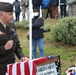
{"x": 24, "y": 5}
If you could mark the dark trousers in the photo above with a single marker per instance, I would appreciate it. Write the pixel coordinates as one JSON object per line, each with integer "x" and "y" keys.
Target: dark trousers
{"x": 17, "y": 16}
{"x": 63, "y": 10}
{"x": 49, "y": 13}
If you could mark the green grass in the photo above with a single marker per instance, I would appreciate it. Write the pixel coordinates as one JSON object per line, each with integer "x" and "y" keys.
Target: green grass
{"x": 67, "y": 52}
{"x": 23, "y": 40}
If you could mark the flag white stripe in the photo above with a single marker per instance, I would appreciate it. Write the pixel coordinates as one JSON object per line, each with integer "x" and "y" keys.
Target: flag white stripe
{"x": 22, "y": 68}
{"x": 14, "y": 69}
{"x": 30, "y": 63}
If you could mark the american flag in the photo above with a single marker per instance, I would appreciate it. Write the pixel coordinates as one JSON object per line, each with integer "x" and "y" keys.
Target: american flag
{"x": 19, "y": 68}
{"x": 30, "y": 67}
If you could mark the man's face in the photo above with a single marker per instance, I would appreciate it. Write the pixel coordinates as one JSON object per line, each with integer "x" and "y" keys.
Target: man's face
{"x": 7, "y": 17}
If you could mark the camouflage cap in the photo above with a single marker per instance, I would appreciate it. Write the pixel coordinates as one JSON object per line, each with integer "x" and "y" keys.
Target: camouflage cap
{"x": 6, "y": 7}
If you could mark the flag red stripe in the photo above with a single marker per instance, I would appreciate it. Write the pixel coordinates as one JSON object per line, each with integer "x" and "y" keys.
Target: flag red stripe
{"x": 10, "y": 69}
{"x": 18, "y": 69}
{"x": 26, "y": 68}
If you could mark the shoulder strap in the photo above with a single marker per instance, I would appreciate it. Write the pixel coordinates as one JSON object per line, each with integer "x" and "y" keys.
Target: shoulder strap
{"x": 37, "y": 20}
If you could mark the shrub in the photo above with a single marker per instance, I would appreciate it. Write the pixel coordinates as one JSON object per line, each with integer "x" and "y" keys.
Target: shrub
{"x": 65, "y": 30}
{"x": 48, "y": 28}
{"x": 22, "y": 24}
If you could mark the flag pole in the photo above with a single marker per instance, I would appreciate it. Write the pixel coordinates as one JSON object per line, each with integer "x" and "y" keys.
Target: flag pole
{"x": 30, "y": 30}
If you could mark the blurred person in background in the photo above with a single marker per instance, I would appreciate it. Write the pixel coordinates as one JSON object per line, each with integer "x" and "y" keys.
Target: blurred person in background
{"x": 17, "y": 10}
{"x": 45, "y": 8}
{"x": 49, "y": 11}
{"x": 37, "y": 34}
{"x": 25, "y": 10}
{"x": 54, "y": 8}
{"x": 36, "y": 4}
{"x": 63, "y": 5}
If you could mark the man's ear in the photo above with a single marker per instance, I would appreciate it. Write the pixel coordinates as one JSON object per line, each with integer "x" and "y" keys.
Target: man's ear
{"x": 1, "y": 14}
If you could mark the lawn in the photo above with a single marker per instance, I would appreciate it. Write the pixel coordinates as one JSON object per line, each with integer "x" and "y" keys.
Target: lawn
{"x": 67, "y": 52}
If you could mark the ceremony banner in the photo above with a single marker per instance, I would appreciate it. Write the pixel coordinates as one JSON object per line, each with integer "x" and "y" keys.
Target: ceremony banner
{"x": 45, "y": 66}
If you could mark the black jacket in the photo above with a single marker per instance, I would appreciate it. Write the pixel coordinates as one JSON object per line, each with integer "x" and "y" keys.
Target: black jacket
{"x": 37, "y": 33}
{"x": 36, "y": 4}
{"x": 63, "y": 1}
{"x": 8, "y": 56}
{"x": 54, "y": 2}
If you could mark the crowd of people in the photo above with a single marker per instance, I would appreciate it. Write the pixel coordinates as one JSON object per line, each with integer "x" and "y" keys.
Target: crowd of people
{"x": 49, "y": 8}
{"x": 21, "y": 6}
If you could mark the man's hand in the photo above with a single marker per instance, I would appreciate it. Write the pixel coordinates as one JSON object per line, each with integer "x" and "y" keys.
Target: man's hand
{"x": 8, "y": 45}
{"x": 41, "y": 27}
{"x": 24, "y": 59}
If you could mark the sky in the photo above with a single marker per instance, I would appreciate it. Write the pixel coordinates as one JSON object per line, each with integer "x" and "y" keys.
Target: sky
{"x": 11, "y": 1}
